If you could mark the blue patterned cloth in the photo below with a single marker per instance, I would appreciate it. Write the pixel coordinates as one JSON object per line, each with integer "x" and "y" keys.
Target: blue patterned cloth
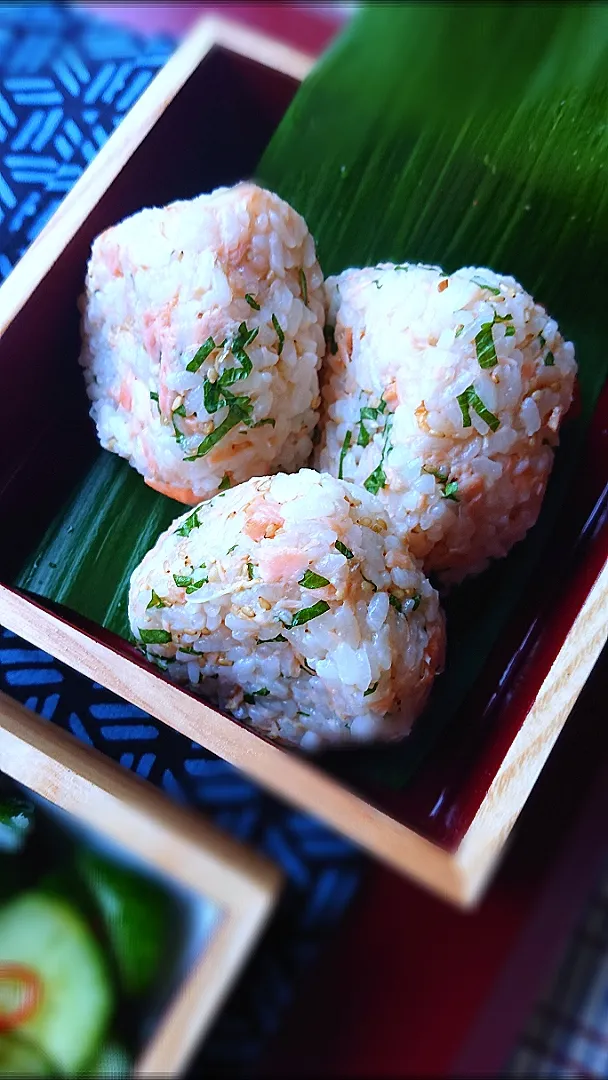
{"x": 66, "y": 80}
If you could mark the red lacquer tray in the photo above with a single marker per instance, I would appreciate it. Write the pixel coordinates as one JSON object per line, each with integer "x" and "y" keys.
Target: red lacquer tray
{"x": 450, "y": 826}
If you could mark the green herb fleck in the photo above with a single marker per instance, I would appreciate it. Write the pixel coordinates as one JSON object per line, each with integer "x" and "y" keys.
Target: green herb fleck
{"x": 437, "y": 473}
{"x": 153, "y": 395}
{"x": 304, "y": 286}
{"x": 182, "y": 580}
{"x": 371, "y": 690}
{"x": 342, "y": 548}
{"x": 509, "y": 331}
{"x": 502, "y": 318}
{"x": 450, "y": 489}
{"x": 252, "y": 303}
{"x": 300, "y": 713}
{"x": 180, "y": 411}
{"x": 250, "y": 698}
{"x": 156, "y": 601}
{"x": 306, "y": 614}
{"x": 250, "y": 570}
{"x": 233, "y": 548}
{"x": 269, "y": 641}
{"x": 377, "y": 283}
{"x": 343, "y": 453}
{"x": 542, "y": 340}
{"x": 364, "y": 436}
{"x": 280, "y": 334}
{"x": 484, "y": 285}
{"x": 186, "y": 648}
{"x": 189, "y": 524}
{"x": 155, "y": 637}
{"x": 199, "y": 357}
{"x": 194, "y": 585}
{"x": 329, "y": 333}
{"x": 313, "y": 581}
{"x": 417, "y": 600}
{"x": 459, "y": 330}
{"x": 468, "y": 400}
{"x": 239, "y": 412}
{"x": 375, "y": 480}
{"x": 484, "y": 347}
{"x": 403, "y": 266}
{"x": 549, "y": 360}
{"x": 267, "y": 420}
{"x": 224, "y": 483}
{"x": 394, "y": 602}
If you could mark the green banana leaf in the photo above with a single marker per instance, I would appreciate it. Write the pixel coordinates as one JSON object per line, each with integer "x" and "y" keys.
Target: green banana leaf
{"x": 457, "y": 134}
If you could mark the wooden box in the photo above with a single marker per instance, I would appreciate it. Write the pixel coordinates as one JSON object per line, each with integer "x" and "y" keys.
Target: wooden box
{"x": 449, "y": 827}
{"x": 237, "y": 887}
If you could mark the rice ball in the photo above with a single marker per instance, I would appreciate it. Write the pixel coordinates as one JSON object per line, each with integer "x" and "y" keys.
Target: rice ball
{"x": 444, "y": 395}
{"x": 290, "y": 602}
{"x": 202, "y": 336}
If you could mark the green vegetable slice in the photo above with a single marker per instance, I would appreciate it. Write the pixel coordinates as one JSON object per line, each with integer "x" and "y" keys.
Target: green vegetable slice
{"x": 343, "y": 549}
{"x": 48, "y": 935}
{"x": 279, "y": 332}
{"x": 201, "y": 355}
{"x": 136, "y": 914}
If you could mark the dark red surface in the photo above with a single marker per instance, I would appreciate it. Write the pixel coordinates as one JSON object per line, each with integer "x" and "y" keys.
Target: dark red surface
{"x": 411, "y": 987}
{"x": 452, "y": 781}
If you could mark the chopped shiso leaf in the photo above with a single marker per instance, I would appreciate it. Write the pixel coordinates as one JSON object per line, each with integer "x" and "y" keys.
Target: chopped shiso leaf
{"x": 377, "y": 479}
{"x": 252, "y": 303}
{"x": 156, "y": 601}
{"x": 364, "y": 435}
{"x": 199, "y": 357}
{"x": 484, "y": 347}
{"x": 484, "y": 285}
{"x": 509, "y": 331}
{"x": 225, "y": 483}
{"x": 417, "y": 600}
{"x": 280, "y": 334}
{"x": 180, "y": 411}
{"x": 268, "y": 641}
{"x": 154, "y": 637}
{"x": 250, "y": 698}
{"x": 308, "y": 613}
{"x": 468, "y": 400}
{"x": 549, "y": 360}
{"x": 239, "y": 412}
{"x": 343, "y": 549}
{"x": 182, "y": 580}
{"x": 329, "y": 335}
{"x": 371, "y": 689}
{"x": 267, "y": 420}
{"x": 459, "y": 330}
{"x": 450, "y": 489}
{"x": 395, "y": 602}
{"x": 153, "y": 395}
{"x": 313, "y": 581}
{"x": 189, "y": 524}
{"x": 231, "y": 549}
{"x": 343, "y": 453}
{"x": 304, "y": 286}
{"x": 250, "y": 571}
{"x": 192, "y": 586}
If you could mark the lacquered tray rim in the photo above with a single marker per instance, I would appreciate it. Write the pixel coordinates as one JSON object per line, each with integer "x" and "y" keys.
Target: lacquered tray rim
{"x": 458, "y": 875}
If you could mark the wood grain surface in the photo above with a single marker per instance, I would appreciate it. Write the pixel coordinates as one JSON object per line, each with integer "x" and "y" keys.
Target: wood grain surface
{"x": 181, "y": 844}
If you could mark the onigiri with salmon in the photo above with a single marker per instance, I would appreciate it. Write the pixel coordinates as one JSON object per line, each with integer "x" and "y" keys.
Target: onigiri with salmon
{"x": 443, "y": 396}
{"x": 291, "y": 602}
{"x": 202, "y": 336}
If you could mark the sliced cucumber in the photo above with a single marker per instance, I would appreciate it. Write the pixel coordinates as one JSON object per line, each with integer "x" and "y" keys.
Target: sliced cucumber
{"x": 20, "y": 1057}
{"x": 136, "y": 917}
{"x": 113, "y": 1061}
{"x": 48, "y": 935}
